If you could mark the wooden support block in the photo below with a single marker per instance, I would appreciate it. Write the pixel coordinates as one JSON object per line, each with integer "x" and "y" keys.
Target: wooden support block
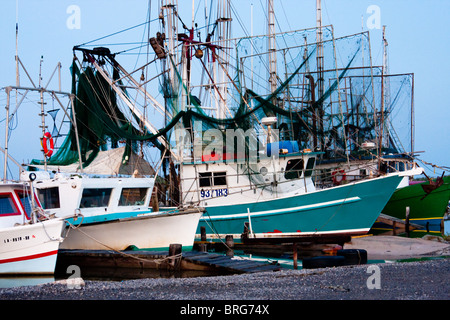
{"x": 175, "y": 254}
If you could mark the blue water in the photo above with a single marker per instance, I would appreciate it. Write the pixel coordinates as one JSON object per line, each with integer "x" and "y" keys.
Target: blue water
{"x": 11, "y": 282}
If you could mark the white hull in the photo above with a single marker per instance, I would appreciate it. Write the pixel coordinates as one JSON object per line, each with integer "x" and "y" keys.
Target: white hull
{"x": 30, "y": 249}
{"x": 150, "y": 231}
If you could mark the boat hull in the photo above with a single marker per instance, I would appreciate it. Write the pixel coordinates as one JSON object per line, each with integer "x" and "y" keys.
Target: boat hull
{"x": 30, "y": 249}
{"x": 150, "y": 231}
{"x": 426, "y": 210}
{"x": 350, "y": 209}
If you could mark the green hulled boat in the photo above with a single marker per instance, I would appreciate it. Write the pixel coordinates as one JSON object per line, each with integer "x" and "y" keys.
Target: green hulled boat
{"x": 427, "y": 204}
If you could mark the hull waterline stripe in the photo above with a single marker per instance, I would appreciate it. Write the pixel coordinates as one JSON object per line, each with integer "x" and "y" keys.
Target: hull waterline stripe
{"x": 282, "y": 211}
{"x": 34, "y": 256}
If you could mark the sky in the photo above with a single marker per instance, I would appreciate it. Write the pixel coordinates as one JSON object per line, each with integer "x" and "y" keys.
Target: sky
{"x": 417, "y": 32}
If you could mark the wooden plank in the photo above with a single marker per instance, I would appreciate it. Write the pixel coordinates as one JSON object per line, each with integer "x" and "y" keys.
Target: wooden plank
{"x": 238, "y": 264}
{"x": 389, "y": 220}
{"x": 262, "y": 268}
{"x": 204, "y": 257}
{"x": 211, "y": 262}
{"x": 226, "y": 262}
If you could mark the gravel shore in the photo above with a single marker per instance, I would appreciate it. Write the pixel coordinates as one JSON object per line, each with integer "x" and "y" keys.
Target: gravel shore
{"x": 365, "y": 289}
{"x": 419, "y": 280}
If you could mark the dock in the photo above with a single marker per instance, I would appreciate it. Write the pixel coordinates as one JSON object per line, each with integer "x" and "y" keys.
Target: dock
{"x": 397, "y": 225}
{"x": 166, "y": 261}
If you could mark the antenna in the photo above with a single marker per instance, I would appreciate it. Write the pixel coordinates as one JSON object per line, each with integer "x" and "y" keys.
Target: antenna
{"x": 17, "y": 44}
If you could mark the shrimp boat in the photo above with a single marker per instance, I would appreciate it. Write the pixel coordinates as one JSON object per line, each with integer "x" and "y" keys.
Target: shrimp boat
{"x": 114, "y": 213}
{"x": 384, "y": 145}
{"x": 424, "y": 202}
{"x": 29, "y": 240}
{"x": 102, "y": 213}
{"x": 284, "y": 203}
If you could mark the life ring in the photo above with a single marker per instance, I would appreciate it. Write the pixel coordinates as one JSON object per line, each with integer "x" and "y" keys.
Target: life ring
{"x": 47, "y": 144}
{"x": 339, "y": 176}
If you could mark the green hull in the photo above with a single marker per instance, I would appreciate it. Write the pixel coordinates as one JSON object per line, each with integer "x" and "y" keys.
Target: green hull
{"x": 423, "y": 209}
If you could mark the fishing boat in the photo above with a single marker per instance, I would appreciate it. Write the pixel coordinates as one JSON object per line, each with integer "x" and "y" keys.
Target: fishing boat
{"x": 423, "y": 203}
{"x": 114, "y": 213}
{"x": 280, "y": 199}
{"x": 29, "y": 239}
{"x": 101, "y": 213}
{"x": 385, "y": 145}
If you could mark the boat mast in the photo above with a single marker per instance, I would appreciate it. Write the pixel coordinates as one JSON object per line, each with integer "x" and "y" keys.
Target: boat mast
{"x": 272, "y": 47}
{"x": 382, "y": 99}
{"x": 169, "y": 19}
{"x": 386, "y": 80}
{"x": 223, "y": 28}
{"x": 5, "y": 163}
{"x": 42, "y": 103}
{"x": 170, "y": 27}
{"x": 17, "y": 44}
{"x": 320, "y": 67}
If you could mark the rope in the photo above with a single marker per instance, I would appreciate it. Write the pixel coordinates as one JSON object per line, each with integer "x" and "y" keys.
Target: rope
{"x": 157, "y": 261}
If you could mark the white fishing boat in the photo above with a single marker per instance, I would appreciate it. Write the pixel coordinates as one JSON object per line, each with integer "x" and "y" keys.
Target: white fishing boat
{"x": 114, "y": 213}
{"x": 28, "y": 244}
{"x": 102, "y": 213}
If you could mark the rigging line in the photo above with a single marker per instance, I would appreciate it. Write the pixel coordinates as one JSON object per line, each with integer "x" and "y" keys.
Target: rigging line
{"x": 115, "y": 44}
{"x": 131, "y": 49}
{"x": 143, "y": 36}
{"x": 284, "y": 39}
{"x": 115, "y": 33}
{"x": 264, "y": 62}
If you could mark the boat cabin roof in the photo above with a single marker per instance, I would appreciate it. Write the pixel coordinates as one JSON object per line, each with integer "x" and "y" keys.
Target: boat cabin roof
{"x": 226, "y": 158}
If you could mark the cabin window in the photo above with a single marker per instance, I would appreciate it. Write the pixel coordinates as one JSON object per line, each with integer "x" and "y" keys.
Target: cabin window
{"x": 132, "y": 196}
{"x": 205, "y": 179}
{"x": 49, "y": 198}
{"x": 92, "y": 198}
{"x": 220, "y": 178}
{"x": 25, "y": 200}
{"x": 391, "y": 166}
{"x": 209, "y": 179}
{"x": 294, "y": 169}
{"x": 7, "y": 205}
{"x": 310, "y": 167}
